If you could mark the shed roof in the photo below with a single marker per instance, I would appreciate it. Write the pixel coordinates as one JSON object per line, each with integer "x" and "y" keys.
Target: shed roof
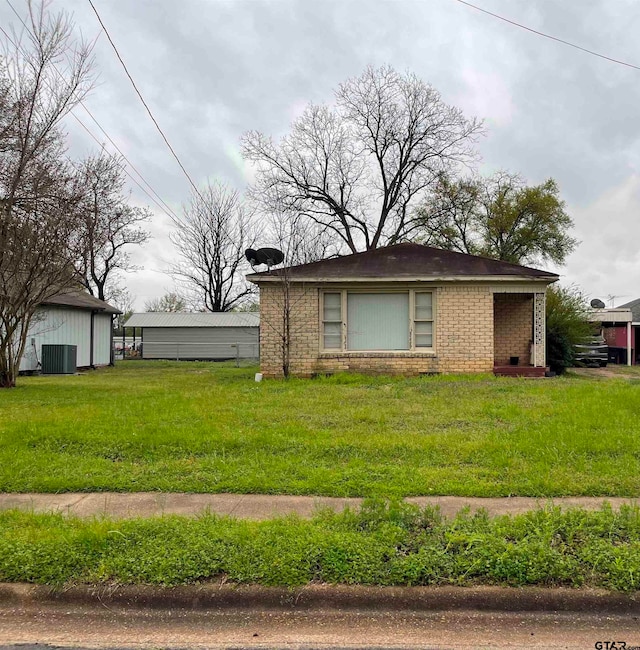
{"x": 194, "y": 319}
{"x": 81, "y": 300}
{"x": 403, "y": 262}
{"x": 634, "y": 306}
{"x": 611, "y": 315}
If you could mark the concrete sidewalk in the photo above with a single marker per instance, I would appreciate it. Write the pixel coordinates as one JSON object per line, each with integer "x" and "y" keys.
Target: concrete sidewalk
{"x": 262, "y": 506}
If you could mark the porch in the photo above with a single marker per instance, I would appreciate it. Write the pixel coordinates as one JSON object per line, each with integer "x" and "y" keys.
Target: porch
{"x": 519, "y": 334}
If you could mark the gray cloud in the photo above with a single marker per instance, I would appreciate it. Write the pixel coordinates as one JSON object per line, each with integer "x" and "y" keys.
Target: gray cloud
{"x": 212, "y": 69}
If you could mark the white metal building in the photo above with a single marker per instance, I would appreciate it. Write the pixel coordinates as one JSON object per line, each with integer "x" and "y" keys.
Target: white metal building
{"x": 72, "y": 318}
{"x": 204, "y": 336}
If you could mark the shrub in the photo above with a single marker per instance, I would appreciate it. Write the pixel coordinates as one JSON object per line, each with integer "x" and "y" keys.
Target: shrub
{"x": 567, "y": 325}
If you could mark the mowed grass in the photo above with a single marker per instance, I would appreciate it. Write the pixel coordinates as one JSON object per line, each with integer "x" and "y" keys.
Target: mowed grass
{"x": 382, "y": 544}
{"x": 200, "y": 427}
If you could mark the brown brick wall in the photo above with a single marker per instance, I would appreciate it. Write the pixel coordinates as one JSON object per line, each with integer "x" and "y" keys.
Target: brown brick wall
{"x": 464, "y": 329}
{"x": 303, "y": 327}
{"x": 463, "y": 334}
{"x": 513, "y": 327}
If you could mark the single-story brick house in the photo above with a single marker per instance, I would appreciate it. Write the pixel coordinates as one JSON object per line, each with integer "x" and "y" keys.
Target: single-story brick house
{"x": 404, "y": 309}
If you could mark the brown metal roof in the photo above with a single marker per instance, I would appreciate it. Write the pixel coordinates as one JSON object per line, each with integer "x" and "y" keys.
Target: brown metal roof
{"x": 406, "y": 262}
{"x": 81, "y": 300}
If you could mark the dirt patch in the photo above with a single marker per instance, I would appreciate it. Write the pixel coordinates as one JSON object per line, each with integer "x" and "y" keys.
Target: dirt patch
{"x": 604, "y": 373}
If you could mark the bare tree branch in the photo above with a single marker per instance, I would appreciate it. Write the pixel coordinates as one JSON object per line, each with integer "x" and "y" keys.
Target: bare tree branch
{"x": 357, "y": 169}
{"x": 109, "y": 225}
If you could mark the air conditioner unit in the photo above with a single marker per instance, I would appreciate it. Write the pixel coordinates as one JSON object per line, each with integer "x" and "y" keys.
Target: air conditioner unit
{"x": 59, "y": 359}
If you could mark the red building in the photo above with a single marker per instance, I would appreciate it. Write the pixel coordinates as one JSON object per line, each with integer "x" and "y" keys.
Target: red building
{"x": 621, "y": 331}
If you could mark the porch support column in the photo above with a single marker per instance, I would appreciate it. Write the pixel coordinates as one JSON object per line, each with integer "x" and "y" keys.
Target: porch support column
{"x": 539, "y": 334}
{"x": 628, "y": 344}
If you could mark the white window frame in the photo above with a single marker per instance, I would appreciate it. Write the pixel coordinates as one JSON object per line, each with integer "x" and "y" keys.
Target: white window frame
{"x": 341, "y": 321}
{"x": 412, "y": 320}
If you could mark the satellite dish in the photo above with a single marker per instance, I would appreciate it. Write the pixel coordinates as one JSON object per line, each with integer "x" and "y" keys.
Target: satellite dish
{"x": 269, "y": 256}
{"x": 251, "y": 256}
{"x": 596, "y": 303}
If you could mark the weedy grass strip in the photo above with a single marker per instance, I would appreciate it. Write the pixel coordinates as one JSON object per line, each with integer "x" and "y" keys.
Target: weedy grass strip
{"x": 385, "y": 543}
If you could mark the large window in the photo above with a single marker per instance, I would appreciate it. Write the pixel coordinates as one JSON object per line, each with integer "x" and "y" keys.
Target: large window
{"x": 377, "y": 321}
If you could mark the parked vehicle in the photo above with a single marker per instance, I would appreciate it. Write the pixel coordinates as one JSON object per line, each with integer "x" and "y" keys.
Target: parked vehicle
{"x": 592, "y": 353}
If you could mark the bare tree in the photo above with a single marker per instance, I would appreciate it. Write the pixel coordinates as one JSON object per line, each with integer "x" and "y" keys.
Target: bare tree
{"x": 357, "y": 169}
{"x": 301, "y": 242}
{"x": 171, "y": 302}
{"x": 109, "y": 225}
{"x": 211, "y": 238}
{"x": 120, "y": 297}
{"x": 44, "y": 73}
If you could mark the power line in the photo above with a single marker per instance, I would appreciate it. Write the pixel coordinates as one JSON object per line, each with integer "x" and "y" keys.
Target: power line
{"x": 166, "y": 209}
{"x": 133, "y": 83}
{"x": 86, "y": 128}
{"x": 155, "y": 122}
{"x": 553, "y": 38}
{"x": 168, "y": 212}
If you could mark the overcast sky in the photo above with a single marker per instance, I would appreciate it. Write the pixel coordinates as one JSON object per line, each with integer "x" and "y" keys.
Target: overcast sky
{"x": 213, "y": 69}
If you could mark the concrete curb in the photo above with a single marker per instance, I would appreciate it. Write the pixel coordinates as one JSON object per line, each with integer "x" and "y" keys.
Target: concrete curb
{"x": 325, "y": 597}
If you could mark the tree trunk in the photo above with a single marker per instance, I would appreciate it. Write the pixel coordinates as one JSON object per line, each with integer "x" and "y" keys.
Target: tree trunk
{"x": 7, "y": 379}
{"x": 8, "y": 370}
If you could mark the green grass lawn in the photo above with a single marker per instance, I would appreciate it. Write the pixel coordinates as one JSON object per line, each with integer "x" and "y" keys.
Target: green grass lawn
{"x": 210, "y": 428}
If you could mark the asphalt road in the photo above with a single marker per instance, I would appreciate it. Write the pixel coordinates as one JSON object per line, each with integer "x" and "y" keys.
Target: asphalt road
{"x": 116, "y": 626}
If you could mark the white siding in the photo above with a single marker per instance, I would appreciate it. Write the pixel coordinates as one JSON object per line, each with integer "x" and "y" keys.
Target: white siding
{"x": 102, "y": 339}
{"x": 62, "y": 326}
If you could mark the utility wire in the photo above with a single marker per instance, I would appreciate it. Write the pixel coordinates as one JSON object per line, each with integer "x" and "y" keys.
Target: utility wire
{"x": 164, "y": 207}
{"x": 153, "y": 119}
{"x": 133, "y": 83}
{"x": 553, "y": 38}
{"x": 101, "y": 144}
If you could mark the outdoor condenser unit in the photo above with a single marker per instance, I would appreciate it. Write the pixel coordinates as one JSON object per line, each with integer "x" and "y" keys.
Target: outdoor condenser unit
{"x": 59, "y": 359}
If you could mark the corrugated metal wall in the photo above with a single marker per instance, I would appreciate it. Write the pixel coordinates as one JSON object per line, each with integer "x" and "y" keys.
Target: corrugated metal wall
{"x": 200, "y": 342}
{"x": 102, "y": 339}
{"x": 57, "y": 325}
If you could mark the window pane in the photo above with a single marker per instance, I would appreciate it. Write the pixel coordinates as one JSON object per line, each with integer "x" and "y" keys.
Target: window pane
{"x": 332, "y": 304}
{"x": 378, "y": 321}
{"x": 332, "y": 336}
{"x": 424, "y": 308}
{"x": 332, "y": 342}
{"x": 424, "y": 334}
{"x": 424, "y": 341}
